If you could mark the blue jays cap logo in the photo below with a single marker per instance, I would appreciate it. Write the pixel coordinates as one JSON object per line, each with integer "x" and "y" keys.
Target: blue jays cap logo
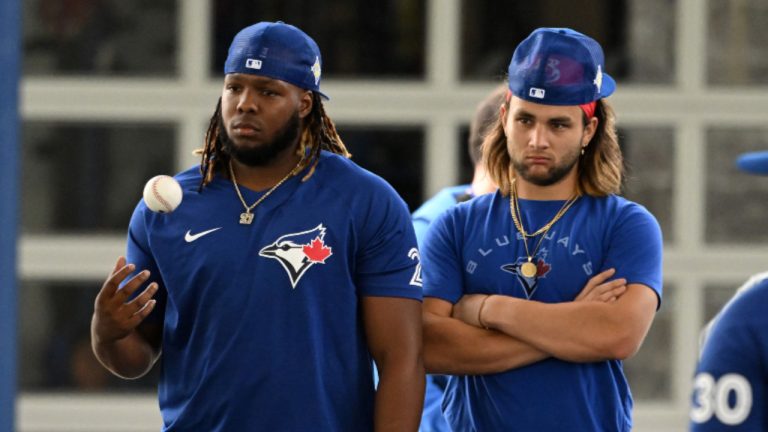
{"x": 297, "y": 252}
{"x": 529, "y": 284}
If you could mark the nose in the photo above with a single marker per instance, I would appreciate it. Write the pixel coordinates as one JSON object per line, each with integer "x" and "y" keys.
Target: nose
{"x": 247, "y": 102}
{"x": 538, "y": 138}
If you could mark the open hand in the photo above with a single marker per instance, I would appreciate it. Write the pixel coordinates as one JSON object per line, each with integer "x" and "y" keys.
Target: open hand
{"x": 114, "y": 317}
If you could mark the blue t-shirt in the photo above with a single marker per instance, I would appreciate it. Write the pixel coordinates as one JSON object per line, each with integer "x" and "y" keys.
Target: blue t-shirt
{"x": 730, "y": 390}
{"x": 432, "y": 418}
{"x": 262, "y": 325}
{"x": 475, "y": 248}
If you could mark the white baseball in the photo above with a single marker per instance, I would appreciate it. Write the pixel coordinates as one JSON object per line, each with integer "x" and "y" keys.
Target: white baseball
{"x": 162, "y": 194}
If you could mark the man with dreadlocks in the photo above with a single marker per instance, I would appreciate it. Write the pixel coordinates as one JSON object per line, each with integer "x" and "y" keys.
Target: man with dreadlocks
{"x": 509, "y": 277}
{"x": 284, "y": 271}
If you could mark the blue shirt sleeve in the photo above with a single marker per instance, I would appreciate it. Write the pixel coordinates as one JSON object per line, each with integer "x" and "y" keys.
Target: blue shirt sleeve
{"x": 729, "y": 389}
{"x": 635, "y": 248}
{"x": 138, "y": 252}
{"x": 388, "y": 262}
{"x": 442, "y": 271}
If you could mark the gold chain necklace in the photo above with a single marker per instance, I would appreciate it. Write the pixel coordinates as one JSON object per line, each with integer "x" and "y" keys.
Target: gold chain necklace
{"x": 529, "y": 269}
{"x": 247, "y": 217}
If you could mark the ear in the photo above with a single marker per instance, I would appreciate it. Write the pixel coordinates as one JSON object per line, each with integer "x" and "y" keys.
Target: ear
{"x": 589, "y": 131}
{"x": 305, "y": 104}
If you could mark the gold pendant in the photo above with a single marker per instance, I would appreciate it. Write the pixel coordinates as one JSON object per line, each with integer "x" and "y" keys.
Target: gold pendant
{"x": 528, "y": 269}
{"x": 246, "y": 218}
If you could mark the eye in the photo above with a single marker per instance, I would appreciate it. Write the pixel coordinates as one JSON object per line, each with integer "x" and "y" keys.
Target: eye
{"x": 232, "y": 87}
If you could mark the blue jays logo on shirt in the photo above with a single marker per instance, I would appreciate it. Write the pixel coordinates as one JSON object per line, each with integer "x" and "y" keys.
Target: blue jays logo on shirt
{"x": 297, "y": 252}
{"x": 529, "y": 284}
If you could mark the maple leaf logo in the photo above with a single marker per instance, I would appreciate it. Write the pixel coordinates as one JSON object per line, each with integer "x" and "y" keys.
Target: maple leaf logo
{"x": 317, "y": 251}
{"x": 542, "y": 268}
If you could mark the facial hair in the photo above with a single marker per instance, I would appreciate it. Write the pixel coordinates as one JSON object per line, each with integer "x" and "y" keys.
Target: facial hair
{"x": 553, "y": 175}
{"x": 266, "y": 153}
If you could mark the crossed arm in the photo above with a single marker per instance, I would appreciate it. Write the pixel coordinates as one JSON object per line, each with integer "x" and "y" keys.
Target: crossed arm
{"x": 607, "y": 320}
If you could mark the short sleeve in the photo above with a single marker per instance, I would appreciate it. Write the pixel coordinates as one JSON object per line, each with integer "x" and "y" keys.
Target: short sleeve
{"x": 441, "y": 259}
{"x": 139, "y": 253}
{"x": 388, "y": 261}
{"x": 635, "y": 248}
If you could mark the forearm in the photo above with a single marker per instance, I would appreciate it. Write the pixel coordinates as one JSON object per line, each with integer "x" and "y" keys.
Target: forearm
{"x": 400, "y": 394}
{"x": 454, "y": 347}
{"x": 572, "y": 331}
{"x": 130, "y": 357}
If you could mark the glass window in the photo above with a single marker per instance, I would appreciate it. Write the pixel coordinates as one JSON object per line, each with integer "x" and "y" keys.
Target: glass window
{"x": 395, "y": 154}
{"x": 357, "y": 39}
{"x": 634, "y": 34}
{"x": 55, "y": 349}
{"x": 736, "y": 202}
{"x": 716, "y": 295}
{"x": 100, "y": 37}
{"x": 649, "y": 157}
{"x": 648, "y": 372}
{"x": 89, "y": 177}
{"x": 737, "y": 41}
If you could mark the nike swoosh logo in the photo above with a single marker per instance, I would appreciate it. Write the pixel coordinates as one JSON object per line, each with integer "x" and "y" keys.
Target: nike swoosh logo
{"x": 189, "y": 237}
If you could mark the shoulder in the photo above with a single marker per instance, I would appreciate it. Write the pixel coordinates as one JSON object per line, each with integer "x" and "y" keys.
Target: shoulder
{"x": 440, "y": 202}
{"x": 189, "y": 178}
{"x": 340, "y": 172}
{"x": 618, "y": 213}
{"x": 752, "y": 296}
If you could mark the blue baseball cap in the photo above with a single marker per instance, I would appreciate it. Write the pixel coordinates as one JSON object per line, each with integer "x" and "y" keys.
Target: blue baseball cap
{"x": 559, "y": 66}
{"x": 754, "y": 162}
{"x": 276, "y": 50}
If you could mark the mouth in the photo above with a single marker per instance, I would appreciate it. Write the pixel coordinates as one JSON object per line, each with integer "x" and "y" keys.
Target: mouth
{"x": 537, "y": 160}
{"x": 246, "y": 129}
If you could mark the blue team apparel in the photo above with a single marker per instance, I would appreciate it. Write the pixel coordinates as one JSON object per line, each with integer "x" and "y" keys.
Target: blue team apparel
{"x": 276, "y": 50}
{"x": 432, "y": 418}
{"x": 262, "y": 325}
{"x": 475, "y": 248}
{"x": 559, "y": 66}
{"x": 730, "y": 390}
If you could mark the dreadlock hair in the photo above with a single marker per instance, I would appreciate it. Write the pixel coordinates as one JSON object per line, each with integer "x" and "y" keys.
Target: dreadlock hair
{"x": 318, "y": 133}
{"x": 600, "y": 169}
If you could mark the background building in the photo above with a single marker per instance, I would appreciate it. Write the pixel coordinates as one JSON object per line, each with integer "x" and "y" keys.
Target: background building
{"x": 116, "y": 92}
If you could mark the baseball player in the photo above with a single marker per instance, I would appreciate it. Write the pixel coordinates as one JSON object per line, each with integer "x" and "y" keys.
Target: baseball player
{"x": 285, "y": 270}
{"x": 730, "y": 389}
{"x": 506, "y": 274}
{"x": 485, "y": 117}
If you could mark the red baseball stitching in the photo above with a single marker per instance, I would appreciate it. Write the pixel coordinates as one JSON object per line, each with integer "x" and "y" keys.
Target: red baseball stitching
{"x": 158, "y": 197}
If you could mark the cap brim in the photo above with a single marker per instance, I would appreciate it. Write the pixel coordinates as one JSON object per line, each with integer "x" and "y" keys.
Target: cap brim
{"x": 754, "y": 162}
{"x": 608, "y": 86}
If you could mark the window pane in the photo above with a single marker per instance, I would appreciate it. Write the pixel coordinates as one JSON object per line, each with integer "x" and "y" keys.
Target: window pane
{"x": 54, "y": 335}
{"x": 359, "y": 39}
{"x": 716, "y": 295}
{"x": 395, "y": 154}
{"x": 737, "y": 41}
{"x": 649, "y": 156}
{"x": 649, "y": 371}
{"x": 634, "y": 34}
{"x": 86, "y": 177}
{"x": 736, "y": 202}
{"x": 107, "y": 37}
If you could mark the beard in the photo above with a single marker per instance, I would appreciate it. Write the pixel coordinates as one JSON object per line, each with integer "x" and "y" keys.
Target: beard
{"x": 266, "y": 153}
{"x": 553, "y": 175}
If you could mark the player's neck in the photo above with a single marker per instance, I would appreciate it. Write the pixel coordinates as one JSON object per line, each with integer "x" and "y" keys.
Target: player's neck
{"x": 264, "y": 177}
{"x": 562, "y": 190}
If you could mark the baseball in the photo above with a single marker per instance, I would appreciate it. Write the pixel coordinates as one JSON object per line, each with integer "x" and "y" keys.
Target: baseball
{"x": 162, "y": 194}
